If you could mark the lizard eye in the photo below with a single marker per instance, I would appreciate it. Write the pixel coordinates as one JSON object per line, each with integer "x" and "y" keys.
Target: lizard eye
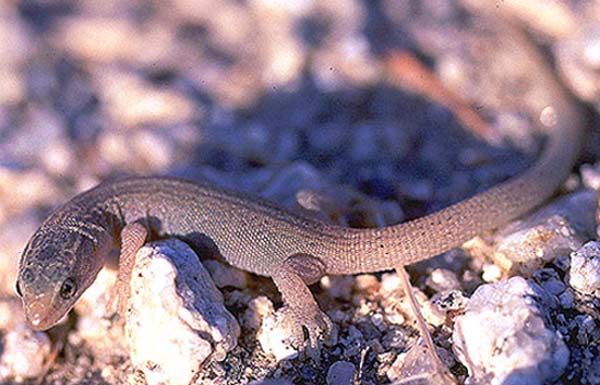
{"x": 18, "y": 289}
{"x": 68, "y": 288}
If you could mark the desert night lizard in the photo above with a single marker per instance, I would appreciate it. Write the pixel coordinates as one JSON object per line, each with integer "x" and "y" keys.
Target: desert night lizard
{"x": 65, "y": 254}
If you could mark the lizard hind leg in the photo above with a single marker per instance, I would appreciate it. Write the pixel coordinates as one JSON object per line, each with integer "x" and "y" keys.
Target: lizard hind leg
{"x": 291, "y": 278}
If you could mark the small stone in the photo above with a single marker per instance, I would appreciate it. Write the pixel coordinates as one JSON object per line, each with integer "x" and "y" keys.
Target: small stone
{"x": 225, "y": 276}
{"x": 442, "y": 280}
{"x": 590, "y": 176}
{"x": 378, "y": 321}
{"x": 491, "y": 273}
{"x": 577, "y": 59}
{"x": 26, "y": 189}
{"x": 567, "y": 299}
{"x": 176, "y": 318}
{"x": 341, "y": 373}
{"x": 453, "y": 300}
{"x": 111, "y": 39}
{"x": 276, "y": 336}
{"x": 586, "y": 328}
{"x": 502, "y": 335}
{"x": 367, "y": 283}
{"x": 396, "y": 306}
{"x": 131, "y": 101}
{"x": 417, "y": 366}
{"x": 584, "y": 275}
{"x": 390, "y": 284}
{"x": 550, "y": 280}
{"x": 258, "y": 308}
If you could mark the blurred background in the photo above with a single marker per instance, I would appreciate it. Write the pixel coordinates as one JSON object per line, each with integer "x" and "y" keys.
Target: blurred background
{"x": 276, "y": 98}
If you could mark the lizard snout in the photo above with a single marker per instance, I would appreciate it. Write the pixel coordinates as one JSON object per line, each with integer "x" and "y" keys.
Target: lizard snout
{"x": 38, "y": 316}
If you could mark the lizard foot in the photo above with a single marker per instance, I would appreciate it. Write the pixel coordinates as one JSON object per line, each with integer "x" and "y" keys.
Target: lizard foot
{"x": 291, "y": 278}
{"x": 317, "y": 324}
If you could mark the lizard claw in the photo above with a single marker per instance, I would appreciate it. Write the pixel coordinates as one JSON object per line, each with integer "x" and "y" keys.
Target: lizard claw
{"x": 318, "y": 325}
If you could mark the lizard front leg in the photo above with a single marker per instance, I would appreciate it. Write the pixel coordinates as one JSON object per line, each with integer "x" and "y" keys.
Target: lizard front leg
{"x": 291, "y": 278}
{"x": 133, "y": 237}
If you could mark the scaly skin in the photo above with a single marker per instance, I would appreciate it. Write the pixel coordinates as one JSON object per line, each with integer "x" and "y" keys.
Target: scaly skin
{"x": 64, "y": 255}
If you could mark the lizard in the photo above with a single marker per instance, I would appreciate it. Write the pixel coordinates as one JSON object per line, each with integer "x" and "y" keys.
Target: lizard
{"x": 64, "y": 255}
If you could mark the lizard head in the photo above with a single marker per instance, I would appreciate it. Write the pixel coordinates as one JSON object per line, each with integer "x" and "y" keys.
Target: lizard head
{"x": 57, "y": 265}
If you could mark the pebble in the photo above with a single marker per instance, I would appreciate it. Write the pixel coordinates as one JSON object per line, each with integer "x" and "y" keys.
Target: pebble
{"x": 417, "y": 366}
{"x": 26, "y": 189}
{"x": 449, "y": 301}
{"x": 131, "y": 101}
{"x": 443, "y": 280}
{"x": 397, "y": 308}
{"x": 284, "y": 53}
{"x": 258, "y": 308}
{"x": 109, "y": 39}
{"x": 578, "y": 58}
{"x": 590, "y": 176}
{"x": 341, "y": 373}
{"x": 16, "y": 48}
{"x": 503, "y": 336}
{"x": 584, "y": 275}
{"x": 276, "y": 336}
{"x": 176, "y": 318}
{"x": 550, "y": 281}
{"x": 567, "y": 299}
{"x": 563, "y": 226}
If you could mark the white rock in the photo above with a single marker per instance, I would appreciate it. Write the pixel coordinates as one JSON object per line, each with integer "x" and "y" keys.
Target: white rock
{"x": 175, "y": 314}
{"x": 584, "y": 275}
{"x": 96, "y": 309}
{"x": 502, "y": 337}
{"x": 525, "y": 246}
